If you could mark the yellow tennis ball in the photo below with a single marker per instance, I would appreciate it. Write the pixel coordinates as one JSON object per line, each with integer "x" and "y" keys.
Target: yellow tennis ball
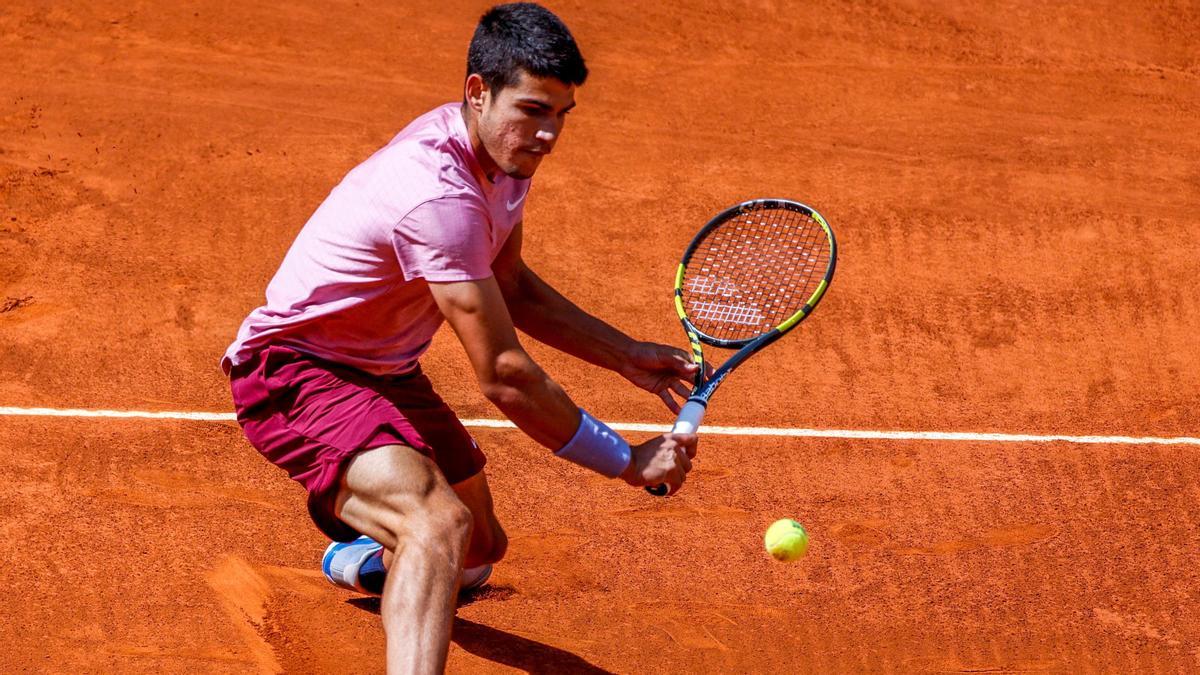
{"x": 786, "y": 540}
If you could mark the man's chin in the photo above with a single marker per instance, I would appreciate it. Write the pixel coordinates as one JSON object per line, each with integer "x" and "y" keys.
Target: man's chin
{"x": 521, "y": 174}
{"x": 524, "y": 172}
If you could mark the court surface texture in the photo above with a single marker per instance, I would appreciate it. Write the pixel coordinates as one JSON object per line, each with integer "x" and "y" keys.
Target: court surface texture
{"x": 1015, "y": 191}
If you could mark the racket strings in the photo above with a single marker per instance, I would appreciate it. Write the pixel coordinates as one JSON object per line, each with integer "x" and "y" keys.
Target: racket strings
{"x": 754, "y": 271}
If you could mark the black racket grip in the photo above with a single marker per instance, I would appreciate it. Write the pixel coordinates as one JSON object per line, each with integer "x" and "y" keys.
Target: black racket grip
{"x": 659, "y": 490}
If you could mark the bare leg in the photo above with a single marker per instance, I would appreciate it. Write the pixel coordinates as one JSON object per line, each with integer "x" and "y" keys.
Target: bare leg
{"x": 398, "y": 497}
{"x": 489, "y": 543}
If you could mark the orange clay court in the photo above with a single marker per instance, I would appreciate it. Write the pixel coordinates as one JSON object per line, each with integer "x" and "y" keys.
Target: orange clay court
{"x": 1015, "y": 191}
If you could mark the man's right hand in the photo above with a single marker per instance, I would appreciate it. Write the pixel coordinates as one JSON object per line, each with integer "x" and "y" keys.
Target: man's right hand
{"x": 663, "y": 460}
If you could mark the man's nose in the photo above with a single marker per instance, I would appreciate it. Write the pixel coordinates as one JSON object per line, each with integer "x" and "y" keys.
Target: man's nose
{"x": 549, "y": 131}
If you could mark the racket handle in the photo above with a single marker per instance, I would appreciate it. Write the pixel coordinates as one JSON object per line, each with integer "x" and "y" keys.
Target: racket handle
{"x": 689, "y": 418}
{"x": 687, "y": 423}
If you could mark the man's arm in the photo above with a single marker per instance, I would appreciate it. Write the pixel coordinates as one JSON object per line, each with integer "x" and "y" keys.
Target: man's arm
{"x": 545, "y": 315}
{"x": 516, "y": 385}
{"x": 548, "y": 317}
{"x": 507, "y": 375}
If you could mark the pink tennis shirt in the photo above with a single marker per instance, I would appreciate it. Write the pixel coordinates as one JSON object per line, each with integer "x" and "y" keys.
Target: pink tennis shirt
{"x": 353, "y": 288}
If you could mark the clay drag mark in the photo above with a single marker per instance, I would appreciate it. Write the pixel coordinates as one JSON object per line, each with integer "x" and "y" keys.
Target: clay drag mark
{"x": 243, "y": 593}
{"x": 116, "y": 571}
{"x": 1014, "y": 190}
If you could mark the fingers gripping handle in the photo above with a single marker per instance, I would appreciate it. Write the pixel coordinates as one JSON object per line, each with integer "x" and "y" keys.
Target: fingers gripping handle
{"x": 687, "y": 423}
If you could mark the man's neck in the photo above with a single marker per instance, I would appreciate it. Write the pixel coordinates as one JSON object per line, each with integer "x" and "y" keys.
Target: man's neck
{"x": 485, "y": 168}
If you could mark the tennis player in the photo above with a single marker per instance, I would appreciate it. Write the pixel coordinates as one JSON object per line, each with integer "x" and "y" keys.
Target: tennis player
{"x": 325, "y": 375}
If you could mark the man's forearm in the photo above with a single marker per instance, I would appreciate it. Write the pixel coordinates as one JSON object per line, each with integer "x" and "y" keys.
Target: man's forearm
{"x": 545, "y": 315}
{"x": 540, "y": 408}
{"x": 533, "y": 401}
{"x": 477, "y": 311}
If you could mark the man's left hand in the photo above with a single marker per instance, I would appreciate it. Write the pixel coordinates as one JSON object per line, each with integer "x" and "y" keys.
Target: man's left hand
{"x": 661, "y": 370}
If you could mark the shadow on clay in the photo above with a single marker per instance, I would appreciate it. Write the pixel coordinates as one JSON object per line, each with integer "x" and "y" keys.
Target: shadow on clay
{"x": 488, "y": 592}
{"x": 517, "y": 652}
{"x": 503, "y": 647}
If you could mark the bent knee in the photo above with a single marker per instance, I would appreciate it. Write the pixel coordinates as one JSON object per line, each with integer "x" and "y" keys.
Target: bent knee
{"x": 442, "y": 517}
{"x": 437, "y": 522}
{"x": 398, "y": 493}
{"x": 499, "y": 545}
{"x": 488, "y": 545}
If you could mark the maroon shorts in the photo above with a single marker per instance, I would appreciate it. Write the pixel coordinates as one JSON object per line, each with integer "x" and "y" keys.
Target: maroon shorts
{"x": 309, "y": 417}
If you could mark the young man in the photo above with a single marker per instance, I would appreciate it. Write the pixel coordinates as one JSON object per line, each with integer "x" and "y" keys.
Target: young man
{"x": 325, "y": 376}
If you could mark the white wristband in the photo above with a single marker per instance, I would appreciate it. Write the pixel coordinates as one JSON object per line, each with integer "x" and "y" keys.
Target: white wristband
{"x": 594, "y": 446}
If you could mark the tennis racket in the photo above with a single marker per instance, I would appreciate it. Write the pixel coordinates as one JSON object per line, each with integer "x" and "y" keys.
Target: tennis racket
{"x": 751, "y": 275}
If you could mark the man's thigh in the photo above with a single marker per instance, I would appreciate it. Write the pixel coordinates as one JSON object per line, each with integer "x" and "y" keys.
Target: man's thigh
{"x": 312, "y": 417}
{"x": 392, "y": 492}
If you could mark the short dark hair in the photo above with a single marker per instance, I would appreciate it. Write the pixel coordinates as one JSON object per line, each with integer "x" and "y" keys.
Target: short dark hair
{"x": 523, "y": 36}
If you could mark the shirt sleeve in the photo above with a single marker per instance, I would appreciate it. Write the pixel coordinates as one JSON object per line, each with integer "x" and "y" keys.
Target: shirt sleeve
{"x": 444, "y": 239}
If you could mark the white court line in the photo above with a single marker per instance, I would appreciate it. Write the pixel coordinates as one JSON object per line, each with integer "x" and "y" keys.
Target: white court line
{"x": 658, "y": 428}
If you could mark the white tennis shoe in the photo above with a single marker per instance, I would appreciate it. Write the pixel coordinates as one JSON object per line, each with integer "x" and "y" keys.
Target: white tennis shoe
{"x": 358, "y": 566}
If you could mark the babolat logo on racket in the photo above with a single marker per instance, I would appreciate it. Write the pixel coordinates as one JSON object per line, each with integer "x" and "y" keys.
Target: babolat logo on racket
{"x": 709, "y": 387}
{"x": 712, "y": 286}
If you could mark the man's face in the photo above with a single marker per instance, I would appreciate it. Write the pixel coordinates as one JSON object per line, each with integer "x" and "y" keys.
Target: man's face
{"x": 520, "y": 125}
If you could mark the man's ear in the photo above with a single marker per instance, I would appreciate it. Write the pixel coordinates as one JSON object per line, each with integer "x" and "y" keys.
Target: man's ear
{"x": 477, "y": 92}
